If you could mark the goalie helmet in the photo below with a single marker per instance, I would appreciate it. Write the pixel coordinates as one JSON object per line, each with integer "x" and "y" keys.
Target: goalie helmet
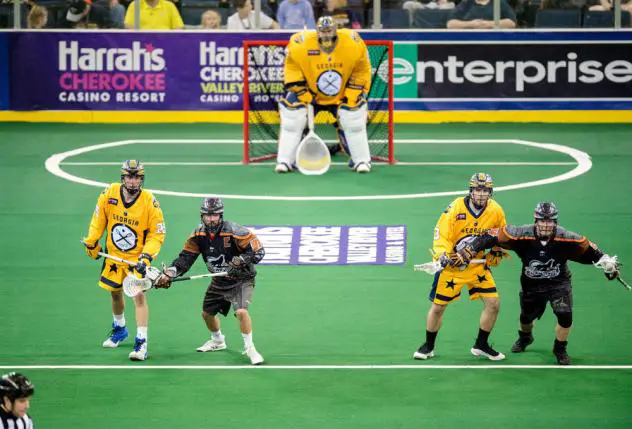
{"x": 132, "y": 167}
{"x": 327, "y": 32}
{"x": 545, "y": 219}
{"x": 210, "y": 206}
{"x": 481, "y": 189}
{"x": 15, "y": 386}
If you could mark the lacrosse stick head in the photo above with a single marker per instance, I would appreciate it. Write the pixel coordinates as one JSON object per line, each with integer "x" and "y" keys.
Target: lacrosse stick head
{"x": 431, "y": 268}
{"x": 133, "y": 285}
{"x": 312, "y": 156}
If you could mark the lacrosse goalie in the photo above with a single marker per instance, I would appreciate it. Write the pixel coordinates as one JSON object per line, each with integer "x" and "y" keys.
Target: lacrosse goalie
{"x": 329, "y": 68}
{"x": 135, "y": 230}
{"x": 545, "y": 249}
{"x": 463, "y": 220}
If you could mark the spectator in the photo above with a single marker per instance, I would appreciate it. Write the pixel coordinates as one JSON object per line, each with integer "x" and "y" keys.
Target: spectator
{"x": 606, "y": 5}
{"x": 244, "y": 18}
{"x": 117, "y": 13}
{"x": 342, "y": 15}
{"x": 210, "y": 20}
{"x": 412, "y": 5}
{"x": 155, "y": 15}
{"x": 77, "y": 13}
{"x": 38, "y": 17}
{"x": 479, "y": 14}
{"x": 296, "y": 15}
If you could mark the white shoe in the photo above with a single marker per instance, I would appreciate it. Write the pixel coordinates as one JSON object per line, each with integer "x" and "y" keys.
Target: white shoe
{"x": 212, "y": 346}
{"x": 363, "y": 167}
{"x": 281, "y": 168}
{"x": 140, "y": 350}
{"x": 253, "y": 354}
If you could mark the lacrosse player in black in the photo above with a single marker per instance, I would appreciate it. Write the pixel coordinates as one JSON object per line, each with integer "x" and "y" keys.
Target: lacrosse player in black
{"x": 224, "y": 246}
{"x": 16, "y": 392}
{"x": 545, "y": 248}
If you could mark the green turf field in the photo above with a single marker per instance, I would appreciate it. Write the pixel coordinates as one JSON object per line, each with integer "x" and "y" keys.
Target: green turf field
{"x": 338, "y": 341}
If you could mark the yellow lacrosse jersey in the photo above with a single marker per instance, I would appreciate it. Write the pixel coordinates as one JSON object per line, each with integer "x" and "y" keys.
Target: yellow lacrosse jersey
{"x": 132, "y": 229}
{"x": 328, "y": 75}
{"x": 458, "y": 223}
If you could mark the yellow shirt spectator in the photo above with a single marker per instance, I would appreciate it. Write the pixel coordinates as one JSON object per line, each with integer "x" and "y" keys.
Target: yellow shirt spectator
{"x": 155, "y": 15}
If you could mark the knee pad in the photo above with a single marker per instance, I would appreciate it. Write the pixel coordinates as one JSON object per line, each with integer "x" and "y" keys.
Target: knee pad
{"x": 525, "y": 319}
{"x": 293, "y": 122}
{"x": 565, "y": 320}
{"x": 353, "y": 125}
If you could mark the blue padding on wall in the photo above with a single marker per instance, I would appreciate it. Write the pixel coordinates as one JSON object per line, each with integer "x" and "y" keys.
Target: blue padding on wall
{"x": 4, "y": 71}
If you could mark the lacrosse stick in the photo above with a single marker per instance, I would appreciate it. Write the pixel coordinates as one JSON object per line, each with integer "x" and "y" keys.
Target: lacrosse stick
{"x": 611, "y": 264}
{"x": 132, "y": 285}
{"x": 312, "y": 154}
{"x": 433, "y": 268}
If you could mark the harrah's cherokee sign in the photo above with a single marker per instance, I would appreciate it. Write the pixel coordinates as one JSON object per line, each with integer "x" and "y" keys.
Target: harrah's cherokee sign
{"x": 204, "y": 71}
{"x": 122, "y": 75}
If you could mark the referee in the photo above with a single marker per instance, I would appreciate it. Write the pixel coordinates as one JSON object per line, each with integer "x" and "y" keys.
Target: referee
{"x": 16, "y": 392}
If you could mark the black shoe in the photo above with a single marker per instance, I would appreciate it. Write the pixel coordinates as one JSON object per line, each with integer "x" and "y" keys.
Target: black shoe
{"x": 424, "y": 352}
{"x": 562, "y": 358}
{"x": 485, "y": 350}
{"x": 524, "y": 339}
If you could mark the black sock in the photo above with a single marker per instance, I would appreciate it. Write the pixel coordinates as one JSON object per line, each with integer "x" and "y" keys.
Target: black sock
{"x": 430, "y": 338}
{"x": 523, "y": 334}
{"x": 559, "y": 345}
{"x": 482, "y": 338}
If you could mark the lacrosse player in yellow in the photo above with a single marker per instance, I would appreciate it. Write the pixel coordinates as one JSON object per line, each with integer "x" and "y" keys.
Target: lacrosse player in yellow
{"x": 463, "y": 220}
{"x": 135, "y": 228}
{"x": 330, "y": 68}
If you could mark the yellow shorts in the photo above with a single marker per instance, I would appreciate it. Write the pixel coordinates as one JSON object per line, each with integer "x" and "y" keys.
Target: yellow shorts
{"x": 448, "y": 283}
{"x": 113, "y": 274}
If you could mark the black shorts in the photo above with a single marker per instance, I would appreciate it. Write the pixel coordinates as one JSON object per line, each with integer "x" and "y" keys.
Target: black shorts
{"x": 533, "y": 304}
{"x": 220, "y": 300}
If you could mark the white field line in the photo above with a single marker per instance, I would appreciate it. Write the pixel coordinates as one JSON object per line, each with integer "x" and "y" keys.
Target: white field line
{"x": 255, "y": 164}
{"x": 310, "y": 367}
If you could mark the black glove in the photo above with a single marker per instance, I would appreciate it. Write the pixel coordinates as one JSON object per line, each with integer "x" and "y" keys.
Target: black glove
{"x": 144, "y": 261}
{"x": 612, "y": 275}
{"x": 236, "y": 267}
{"x": 466, "y": 254}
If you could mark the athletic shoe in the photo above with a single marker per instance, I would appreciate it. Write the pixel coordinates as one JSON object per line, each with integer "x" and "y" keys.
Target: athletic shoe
{"x": 485, "y": 350}
{"x": 562, "y": 357}
{"x": 212, "y": 346}
{"x": 524, "y": 339}
{"x": 363, "y": 167}
{"x": 282, "y": 168}
{"x": 424, "y": 352}
{"x": 117, "y": 335}
{"x": 255, "y": 357}
{"x": 140, "y": 350}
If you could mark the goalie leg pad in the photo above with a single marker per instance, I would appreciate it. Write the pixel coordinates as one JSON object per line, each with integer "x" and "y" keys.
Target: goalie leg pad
{"x": 293, "y": 122}
{"x": 353, "y": 124}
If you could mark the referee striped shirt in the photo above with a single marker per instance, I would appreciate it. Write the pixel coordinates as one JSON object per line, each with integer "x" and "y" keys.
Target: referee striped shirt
{"x": 9, "y": 421}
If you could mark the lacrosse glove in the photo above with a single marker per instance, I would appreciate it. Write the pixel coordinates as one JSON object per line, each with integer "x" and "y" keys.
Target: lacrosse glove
{"x": 92, "y": 251}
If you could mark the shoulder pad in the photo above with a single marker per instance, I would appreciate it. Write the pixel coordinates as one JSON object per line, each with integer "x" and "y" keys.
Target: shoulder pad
{"x": 565, "y": 234}
{"x": 452, "y": 205}
{"x": 520, "y": 231}
{"x": 235, "y": 229}
{"x": 297, "y": 38}
{"x": 200, "y": 228}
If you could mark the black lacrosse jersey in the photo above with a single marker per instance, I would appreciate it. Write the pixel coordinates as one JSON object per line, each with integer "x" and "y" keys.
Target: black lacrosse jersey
{"x": 217, "y": 250}
{"x": 545, "y": 263}
{"x": 9, "y": 421}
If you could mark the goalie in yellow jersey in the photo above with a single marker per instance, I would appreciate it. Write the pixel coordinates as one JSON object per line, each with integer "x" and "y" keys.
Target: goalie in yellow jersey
{"x": 329, "y": 68}
{"x": 135, "y": 231}
{"x": 463, "y": 220}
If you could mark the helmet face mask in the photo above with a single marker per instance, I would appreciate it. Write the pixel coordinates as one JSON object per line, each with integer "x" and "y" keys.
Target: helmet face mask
{"x": 327, "y": 34}
{"x": 212, "y": 214}
{"x": 481, "y": 189}
{"x": 545, "y": 219}
{"x": 131, "y": 171}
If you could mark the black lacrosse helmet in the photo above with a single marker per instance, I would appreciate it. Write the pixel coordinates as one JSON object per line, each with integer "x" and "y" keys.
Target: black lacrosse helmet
{"x": 545, "y": 210}
{"x": 212, "y": 205}
{"x": 15, "y": 386}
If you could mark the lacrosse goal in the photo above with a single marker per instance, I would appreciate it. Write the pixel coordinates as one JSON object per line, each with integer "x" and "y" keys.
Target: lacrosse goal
{"x": 263, "y": 88}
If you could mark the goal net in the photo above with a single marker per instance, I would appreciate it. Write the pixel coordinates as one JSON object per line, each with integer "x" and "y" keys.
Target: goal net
{"x": 263, "y": 88}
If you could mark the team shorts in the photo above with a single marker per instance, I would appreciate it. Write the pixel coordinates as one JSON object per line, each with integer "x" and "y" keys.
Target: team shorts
{"x": 533, "y": 304}
{"x": 220, "y": 300}
{"x": 448, "y": 283}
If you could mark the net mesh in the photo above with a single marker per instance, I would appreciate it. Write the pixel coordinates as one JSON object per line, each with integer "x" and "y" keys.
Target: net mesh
{"x": 265, "y": 89}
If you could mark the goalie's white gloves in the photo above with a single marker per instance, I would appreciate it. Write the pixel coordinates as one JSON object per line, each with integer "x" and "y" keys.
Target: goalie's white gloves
{"x": 610, "y": 266}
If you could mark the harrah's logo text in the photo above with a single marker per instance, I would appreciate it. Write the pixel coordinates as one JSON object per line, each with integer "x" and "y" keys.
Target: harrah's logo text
{"x": 102, "y": 75}
{"x": 134, "y": 59}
